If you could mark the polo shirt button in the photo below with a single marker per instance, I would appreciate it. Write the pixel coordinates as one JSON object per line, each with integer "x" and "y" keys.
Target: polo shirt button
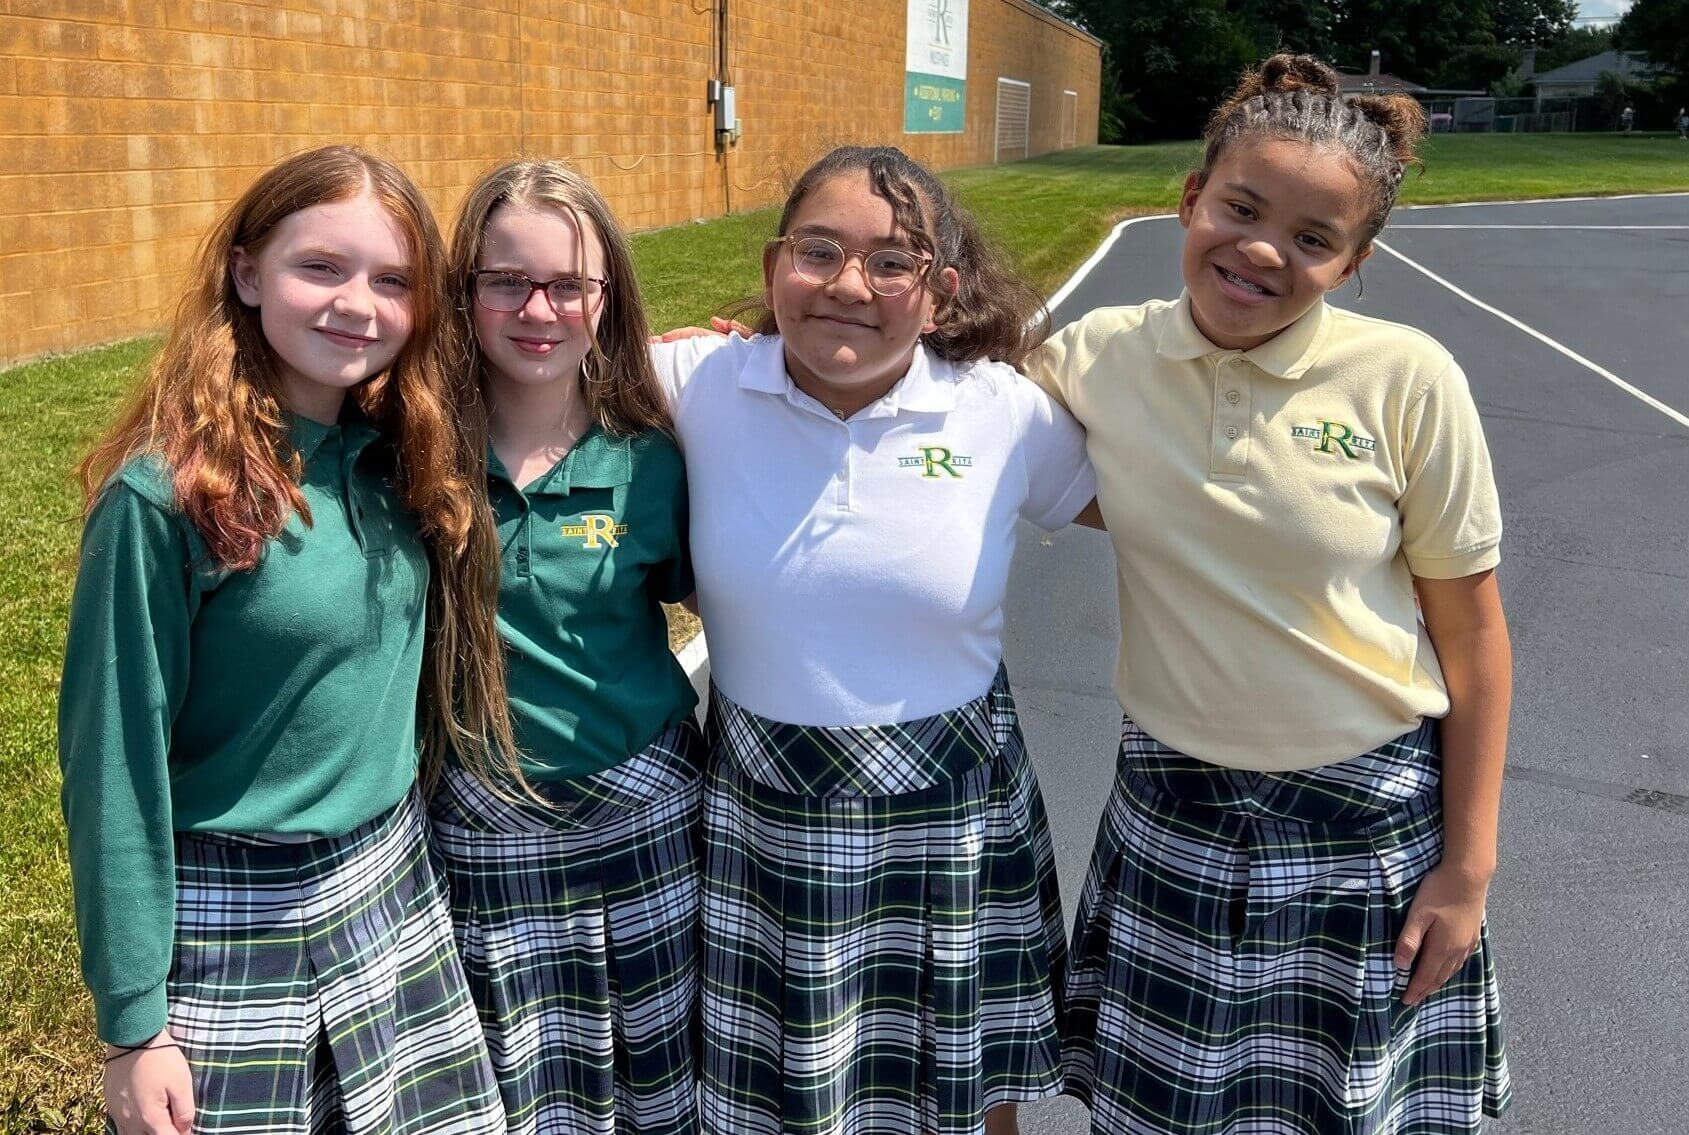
{"x": 1231, "y": 432}
{"x": 1232, "y": 396}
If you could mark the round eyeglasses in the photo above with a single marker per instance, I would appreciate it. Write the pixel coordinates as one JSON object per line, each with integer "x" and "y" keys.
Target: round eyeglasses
{"x": 890, "y": 272}
{"x": 577, "y": 296}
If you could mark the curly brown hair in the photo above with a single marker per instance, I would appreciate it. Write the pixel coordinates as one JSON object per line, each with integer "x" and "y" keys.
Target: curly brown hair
{"x": 1299, "y": 97}
{"x": 211, "y": 406}
{"x": 993, "y": 313}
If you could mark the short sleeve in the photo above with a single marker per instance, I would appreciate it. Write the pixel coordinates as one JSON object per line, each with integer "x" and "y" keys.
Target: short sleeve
{"x": 1055, "y": 363}
{"x": 1451, "y": 516}
{"x": 1059, "y": 479}
{"x": 125, "y": 675}
{"x": 676, "y": 361}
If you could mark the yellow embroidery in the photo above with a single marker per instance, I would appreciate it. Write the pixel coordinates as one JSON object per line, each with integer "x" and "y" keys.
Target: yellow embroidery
{"x": 597, "y": 527}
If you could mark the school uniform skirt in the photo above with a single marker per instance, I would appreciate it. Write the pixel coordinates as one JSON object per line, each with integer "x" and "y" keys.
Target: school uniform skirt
{"x": 578, "y": 926}
{"x": 883, "y": 938}
{"x": 315, "y": 988}
{"x": 1232, "y": 958}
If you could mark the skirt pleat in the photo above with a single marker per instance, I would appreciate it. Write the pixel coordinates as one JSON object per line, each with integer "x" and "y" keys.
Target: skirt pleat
{"x": 578, "y": 926}
{"x": 1232, "y": 963}
{"x": 883, "y": 938}
{"x": 315, "y": 988}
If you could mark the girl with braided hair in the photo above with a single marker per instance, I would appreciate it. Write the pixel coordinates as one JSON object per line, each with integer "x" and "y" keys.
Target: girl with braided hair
{"x": 1283, "y": 925}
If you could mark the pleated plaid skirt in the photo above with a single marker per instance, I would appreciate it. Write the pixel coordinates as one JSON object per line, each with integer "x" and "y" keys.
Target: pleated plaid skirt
{"x": 578, "y": 927}
{"x": 315, "y": 988}
{"x": 1232, "y": 958}
{"x": 883, "y": 937}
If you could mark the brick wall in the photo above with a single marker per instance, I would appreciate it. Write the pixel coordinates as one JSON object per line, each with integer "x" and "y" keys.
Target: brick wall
{"x": 125, "y": 125}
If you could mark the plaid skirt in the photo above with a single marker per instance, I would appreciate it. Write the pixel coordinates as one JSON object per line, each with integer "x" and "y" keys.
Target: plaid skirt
{"x": 1232, "y": 959}
{"x": 578, "y": 928}
{"x": 314, "y": 987}
{"x": 883, "y": 937}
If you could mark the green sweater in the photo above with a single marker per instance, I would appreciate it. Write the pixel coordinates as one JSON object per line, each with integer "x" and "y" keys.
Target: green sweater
{"x": 278, "y": 700}
{"x": 592, "y": 548}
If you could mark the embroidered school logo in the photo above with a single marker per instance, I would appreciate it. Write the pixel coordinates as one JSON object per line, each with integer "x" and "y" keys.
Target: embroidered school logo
{"x": 596, "y": 526}
{"x": 934, "y": 458}
{"x": 1330, "y": 437}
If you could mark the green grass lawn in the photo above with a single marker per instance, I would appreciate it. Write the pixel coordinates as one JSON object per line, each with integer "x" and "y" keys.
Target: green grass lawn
{"x": 1048, "y": 214}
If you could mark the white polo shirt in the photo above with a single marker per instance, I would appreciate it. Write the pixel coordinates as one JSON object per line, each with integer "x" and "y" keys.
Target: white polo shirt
{"x": 853, "y": 572}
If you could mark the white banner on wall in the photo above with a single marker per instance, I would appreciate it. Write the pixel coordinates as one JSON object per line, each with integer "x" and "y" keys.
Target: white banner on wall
{"x": 936, "y": 67}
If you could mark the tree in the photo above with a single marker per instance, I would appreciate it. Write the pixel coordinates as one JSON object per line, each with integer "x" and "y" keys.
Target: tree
{"x": 1175, "y": 59}
{"x": 1171, "y": 61}
{"x": 1303, "y": 26}
{"x": 1660, "y": 29}
{"x": 1579, "y": 43}
{"x": 1415, "y": 38}
{"x": 1477, "y": 68}
{"x": 1532, "y": 23}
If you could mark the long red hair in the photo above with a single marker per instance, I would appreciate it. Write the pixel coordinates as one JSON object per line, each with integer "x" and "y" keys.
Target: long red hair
{"x": 211, "y": 406}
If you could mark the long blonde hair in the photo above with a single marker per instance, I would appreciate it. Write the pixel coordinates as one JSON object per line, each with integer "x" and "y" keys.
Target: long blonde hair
{"x": 211, "y": 406}
{"x": 617, "y": 378}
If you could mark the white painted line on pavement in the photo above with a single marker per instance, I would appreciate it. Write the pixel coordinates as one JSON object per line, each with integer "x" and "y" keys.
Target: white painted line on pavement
{"x": 1543, "y": 200}
{"x": 1536, "y": 228}
{"x": 1642, "y": 395}
{"x": 1084, "y": 269}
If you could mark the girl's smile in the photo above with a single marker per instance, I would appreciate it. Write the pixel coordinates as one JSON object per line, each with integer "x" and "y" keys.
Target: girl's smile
{"x": 1274, "y": 227}
{"x": 536, "y": 344}
{"x": 845, "y": 343}
{"x": 333, "y": 293}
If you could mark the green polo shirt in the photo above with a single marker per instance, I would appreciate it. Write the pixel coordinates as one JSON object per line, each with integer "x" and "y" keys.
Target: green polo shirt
{"x": 281, "y": 699}
{"x": 591, "y": 550}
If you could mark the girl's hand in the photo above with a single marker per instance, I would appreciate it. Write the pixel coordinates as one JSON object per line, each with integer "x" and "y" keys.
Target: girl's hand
{"x": 1442, "y": 929}
{"x": 718, "y": 328}
{"x": 730, "y": 327}
{"x": 150, "y": 1091}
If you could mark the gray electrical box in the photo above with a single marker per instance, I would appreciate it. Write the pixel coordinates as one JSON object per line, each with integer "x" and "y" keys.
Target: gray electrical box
{"x": 726, "y": 116}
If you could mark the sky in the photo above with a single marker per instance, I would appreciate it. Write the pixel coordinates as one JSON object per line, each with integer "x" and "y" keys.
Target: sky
{"x": 1604, "y": 9}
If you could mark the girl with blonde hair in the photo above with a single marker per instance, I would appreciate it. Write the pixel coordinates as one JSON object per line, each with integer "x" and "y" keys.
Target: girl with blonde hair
{"x": 573, "y": 868}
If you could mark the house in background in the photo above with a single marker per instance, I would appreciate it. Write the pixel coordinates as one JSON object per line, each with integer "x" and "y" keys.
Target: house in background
{"x": 1374, "y": 82}
{"x": 1577, "y": 80}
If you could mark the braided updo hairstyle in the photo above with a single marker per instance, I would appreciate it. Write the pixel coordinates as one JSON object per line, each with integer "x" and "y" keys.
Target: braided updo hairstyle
{"x": 1296, "y": 97}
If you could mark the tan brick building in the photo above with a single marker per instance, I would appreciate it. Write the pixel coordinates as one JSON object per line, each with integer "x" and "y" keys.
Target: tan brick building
{"x": 125, "y": 125}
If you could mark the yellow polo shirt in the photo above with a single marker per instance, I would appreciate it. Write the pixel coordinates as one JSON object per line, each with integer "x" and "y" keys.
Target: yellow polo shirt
{"x": 1269, "y": 510}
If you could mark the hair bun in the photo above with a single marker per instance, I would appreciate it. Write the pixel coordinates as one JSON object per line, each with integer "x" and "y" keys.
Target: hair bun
{"x": 1400, "y": 117}
{"x": 1284, "y": 73}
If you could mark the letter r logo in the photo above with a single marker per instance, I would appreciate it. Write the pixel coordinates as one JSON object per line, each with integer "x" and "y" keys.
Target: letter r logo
{"x": 1335, "y": 433}
{"x": 934, "y": 458}
{"x": 598, "y": 525}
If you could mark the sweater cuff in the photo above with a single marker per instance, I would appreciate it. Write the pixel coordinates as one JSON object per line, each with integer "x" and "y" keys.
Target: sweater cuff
{"x": 133, "y": 1018}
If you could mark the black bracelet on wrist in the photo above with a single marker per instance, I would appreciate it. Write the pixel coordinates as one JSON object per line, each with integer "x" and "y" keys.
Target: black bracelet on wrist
{"x": 131, "y": 1049}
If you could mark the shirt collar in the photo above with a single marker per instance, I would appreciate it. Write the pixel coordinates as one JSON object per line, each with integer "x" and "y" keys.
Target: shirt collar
{"x": 596, "y": 461}
{"x": 307, "y": 435}
{"x": 1287, "y": 355}
{"x": 929, "y": 386}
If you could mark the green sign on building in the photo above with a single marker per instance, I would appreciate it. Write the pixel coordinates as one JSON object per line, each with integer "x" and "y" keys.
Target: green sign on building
{"x": 935, "y": 79}
{"x": 933, "y": 104}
